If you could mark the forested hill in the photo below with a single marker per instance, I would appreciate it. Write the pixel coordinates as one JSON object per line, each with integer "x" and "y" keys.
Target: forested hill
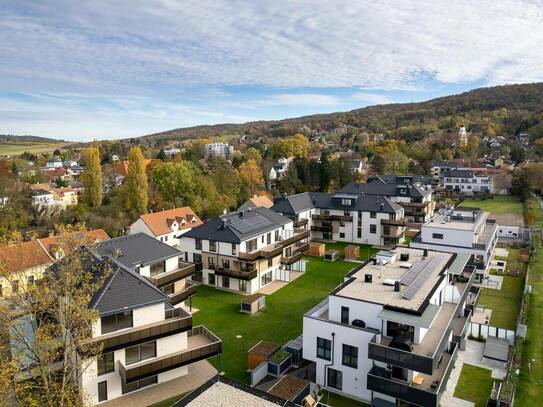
{"x": 500, "y": 110}
{"x": 9, "y": 138}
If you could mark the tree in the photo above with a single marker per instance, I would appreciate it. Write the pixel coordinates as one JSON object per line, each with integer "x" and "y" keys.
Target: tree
{"x": 173, "y": 180}
{"x": 473, "y": 147}
{"x": 50, "y": 324}
{"x": 378, "y": 164}
{"x": 253, "y": 154}
{"x": 92, "y": 177}
{"x": 137, "y": 187}
{"x": 251, "y": 176}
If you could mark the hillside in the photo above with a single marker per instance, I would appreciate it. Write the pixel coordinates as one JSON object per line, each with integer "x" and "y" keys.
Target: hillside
{"x": 499, "y": 110}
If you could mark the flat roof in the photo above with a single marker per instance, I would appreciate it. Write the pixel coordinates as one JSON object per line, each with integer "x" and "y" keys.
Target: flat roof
{"x": 458, "y": 219}
{"x": 379, "y": 293}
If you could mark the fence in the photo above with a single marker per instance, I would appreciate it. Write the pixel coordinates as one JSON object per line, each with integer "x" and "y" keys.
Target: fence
{"x": 481, "y": 331}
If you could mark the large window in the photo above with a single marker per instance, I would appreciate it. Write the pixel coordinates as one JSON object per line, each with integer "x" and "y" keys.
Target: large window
{"x": 243, "y": 286}
{"x": 226, "y": 282}
{"x": 156, "y": 268}
{"x": 266, "y": 278}
{"x": 350, "y": 356}
{"x": 324, "y": 348}
{"x": 251, "y": 245}
{"x": 198, "y": 243}
{"x": 212, "y": 246}
{"x": 106, "y": 364}
{"x": 115, "y": 322}
{"x": 344, "y": 315}
{"x": 335, "y": 378}
{"x": 140, "y": 352}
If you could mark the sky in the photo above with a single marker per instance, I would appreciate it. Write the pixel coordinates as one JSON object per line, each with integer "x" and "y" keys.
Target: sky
{"x": 84, "y": 70}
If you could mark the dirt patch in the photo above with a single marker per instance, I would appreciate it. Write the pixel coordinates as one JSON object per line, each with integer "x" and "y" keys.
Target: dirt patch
{"x": 507, "y": 219}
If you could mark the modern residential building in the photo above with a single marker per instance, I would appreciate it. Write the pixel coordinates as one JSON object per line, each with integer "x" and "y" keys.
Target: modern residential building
{"x": 461, "y": 230}
{"x": 355, "y": 218}
{"x": 57, "y": 163}
{"x": 441, "y": 167}
{"x": 390, "y": 334}
{"x": 42, "y": 198}
{"x": 413, "y": 193}
{"x": 468, "y": 182}
{"x": 245, "y": 250}
{"x": 167, "y": 225}
{"x": 160, "y": 263}
{"x": 218, "y": 150}
{"x": 171, "y": 152}
{"x": 145, "y": 341}
{"x": 48, "y": 196}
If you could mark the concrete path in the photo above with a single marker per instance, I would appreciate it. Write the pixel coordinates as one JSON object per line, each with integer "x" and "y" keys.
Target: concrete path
{"x": 278, "y": 284}
{"x": 473, "y": 355}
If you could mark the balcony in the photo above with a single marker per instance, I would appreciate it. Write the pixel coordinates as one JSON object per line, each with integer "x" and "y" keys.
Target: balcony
{"x": 202, "y": 344}
{"x": 275, "y": 249}
{"x": 180, "y": 296}
{"x": 184, "y": 270}
{"x": 241, "y": 274}
{"x": 332, "y": 217}
{"x": 394, "y": 222}
{"x": 291, "y": 259}
{"x": 321, "y": 228}
{"x": 426, "y": 394}
{"x": 460, "y": 326}
{"x": 175, "y": 321}
{"x": 300, "y": 223}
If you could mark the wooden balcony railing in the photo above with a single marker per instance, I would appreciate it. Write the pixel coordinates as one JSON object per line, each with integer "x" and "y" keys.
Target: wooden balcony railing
{"x": 180, "y": 296}
{"x": 184, "y": 270}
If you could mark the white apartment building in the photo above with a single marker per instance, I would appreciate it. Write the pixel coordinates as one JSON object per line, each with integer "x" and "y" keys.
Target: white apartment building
{"x": 363, "y": 219}
{"x": 42, "y": 198}
{"x": 468, "y": 182}
{"x": 246, "y": 250}
{"x": 390, "y": 334}
{"x": 145, "y": 341}
{"x": 461, "y": 230}
{"x": 219, "y": 150}
{"x": 158, "y": 262}
{"x": 166, "y": 226}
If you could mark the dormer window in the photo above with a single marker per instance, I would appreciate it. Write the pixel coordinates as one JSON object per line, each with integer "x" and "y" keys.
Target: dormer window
{"x": 346, "y": 202}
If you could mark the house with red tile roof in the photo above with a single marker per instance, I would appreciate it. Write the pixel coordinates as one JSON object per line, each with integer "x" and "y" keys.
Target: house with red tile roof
{"x": 167, "y": 225}
{"x": 257, "y": 202}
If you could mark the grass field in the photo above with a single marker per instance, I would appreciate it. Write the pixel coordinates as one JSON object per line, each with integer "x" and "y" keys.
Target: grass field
{"x": 20, "y": 148}
{"x": 505, "y": 303}
{"x": 498, "y": 205}
{"x": 366, "y": 251}
{"x": 335, "y": 400}
{"x": 169, "y": 402}
{"x": 474, "y": 384}
{"x": 279, "y": 322}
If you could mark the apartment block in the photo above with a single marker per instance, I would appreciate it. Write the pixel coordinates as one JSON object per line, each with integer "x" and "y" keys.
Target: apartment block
{"x": 158, "y": 262}
{"x": 218, "y": 150}
{"x": 245, "y": 250}
{"x": 355, "y": 218}
{"x": 468, "y": 182}
{"x": 145, "y": 340}
{"x": 166, "y": 225}
{"x": 390, "y": 334}
{"x": 413, "y": 192}
{"x": 461, "y": 230}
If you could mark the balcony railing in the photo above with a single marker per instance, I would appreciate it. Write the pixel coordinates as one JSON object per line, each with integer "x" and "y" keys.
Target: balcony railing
{"x": 321, "y": 228}
{"x": 276, "y": 248}
{"x": 184, "y": 270}
{"x": 300, "y": 223}
{"x": 427, "y": 394}
{"x": 291, "y": 259}
{"x": 174, "y": 323}
{"x": 394, "y": 222}
{"x": 202, "y": 344}
{"x": 243, "y": 275}
{"x": 180, "y": 296}
{"x": 332, "y": 217}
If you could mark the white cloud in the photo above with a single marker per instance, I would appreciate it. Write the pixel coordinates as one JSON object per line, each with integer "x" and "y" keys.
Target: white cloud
{"x": 146, "y": 47}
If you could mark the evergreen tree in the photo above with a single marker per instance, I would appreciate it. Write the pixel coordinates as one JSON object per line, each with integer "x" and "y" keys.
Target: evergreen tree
{"x": 92, "y": 177}
{"x": 137, "y": 182}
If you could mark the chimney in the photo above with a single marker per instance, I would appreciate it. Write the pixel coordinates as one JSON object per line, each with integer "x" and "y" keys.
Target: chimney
{"x": 425, "y": 254}
{"x": 397, "y": 286}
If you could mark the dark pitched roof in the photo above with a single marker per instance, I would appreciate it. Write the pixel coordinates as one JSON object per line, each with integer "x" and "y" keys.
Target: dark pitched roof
{"x": 134, "y": 250}
{"x": 238, "y": 226}
{"x": 382, "y": 188}
{"x": 459, "y": 173}
{"x": 402, "y": 179}
{"x": 294, "y": 204}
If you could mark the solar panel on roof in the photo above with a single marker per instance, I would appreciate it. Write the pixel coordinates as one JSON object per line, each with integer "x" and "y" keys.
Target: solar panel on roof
{"x": 414, "y": 271}
{"x": 250, "y": 224}
{"x": 420, "y": 279}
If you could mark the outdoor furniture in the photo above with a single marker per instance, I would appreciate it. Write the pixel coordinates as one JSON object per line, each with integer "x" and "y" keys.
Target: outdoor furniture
{"x": 251, "y": 304}
{"x": 418, "y": 380}
{"x": 331, "y": 255}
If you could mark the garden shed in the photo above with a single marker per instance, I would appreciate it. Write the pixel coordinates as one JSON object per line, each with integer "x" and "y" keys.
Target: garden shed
{"x": 251, "y": 304}
{"x": 352, "y": 252}
{"x": 331, "y": 255}
{"x": 316, "y": 249}
{"x": 260, "y": 353}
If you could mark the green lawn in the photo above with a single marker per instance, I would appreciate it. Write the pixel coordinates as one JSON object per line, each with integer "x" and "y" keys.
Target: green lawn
{"x": 279, "y": 322}
{"x": 474, "y": 384}
{"x": 335, "y": 400}
{"x": 505, "y": 303}
{"x": 366, "y": 251}
{"x": 169, "y": 402}
{"x": 500, "y": 204}
{"x": 530, "y": 380}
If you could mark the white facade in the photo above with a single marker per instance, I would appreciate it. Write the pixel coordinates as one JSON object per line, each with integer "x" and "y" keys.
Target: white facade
{"x": 170, "y": 238}
{"x": 469, "y": 185}
{"x": 218, "y": 149}
{"x": 43, "y": 200}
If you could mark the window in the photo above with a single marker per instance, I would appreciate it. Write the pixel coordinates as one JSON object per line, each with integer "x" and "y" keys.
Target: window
{"x": 266, "y": 278}
{"x": 268, "y": 238}
{"x": 373, "y": 215}
{"x": 327, "y": 212}
{"x": 335, "y": 378}
{"x": 211, "y": 278}
{"x": 270, "y": 262}
{"x": 262, "y": 239}
{"x": 225, "y": 264}
{"x": 342, "y": 223}
{"x": 342, "y": 235}
{"x": 346, "y": 202}
{"x": 140, "y": 352}
{"x": 346, "y": 213}
{"x": 243, "y": 285}
{"x": 277, "y": 235}
{"x": 198, "y": 243}
{"x": 212, "y": 246}
{"x": 344, "y": 315}
{"x": 115, "y": 322}
{"x": 251, "y": 245}
{"x": 437, "y": 235}
{"x": 102, "y": 391}
{"x": 226, "y": 282}
{"x": 324, "y": 348}
{"x": 165, "y": 238}
{"x": 211, "y": 263}
{"x": 156, "y": 268}
{"x": 106, "y": 363}
{"x": 373, "y": 228}
{"x": 359, "y": 233}
{"x": 350, "y": 356}
{"x": 234, "y": 249}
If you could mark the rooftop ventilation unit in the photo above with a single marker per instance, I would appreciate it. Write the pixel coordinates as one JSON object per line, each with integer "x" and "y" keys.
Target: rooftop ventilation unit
{"x": 368, "y": 278}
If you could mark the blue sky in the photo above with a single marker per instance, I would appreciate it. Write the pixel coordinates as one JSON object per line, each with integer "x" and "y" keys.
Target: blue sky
{"x": 112, "y": 69}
